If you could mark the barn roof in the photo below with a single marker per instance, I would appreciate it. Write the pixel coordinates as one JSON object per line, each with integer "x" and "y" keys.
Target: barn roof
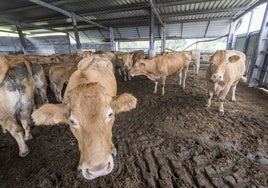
{"x": 129, "y": 18}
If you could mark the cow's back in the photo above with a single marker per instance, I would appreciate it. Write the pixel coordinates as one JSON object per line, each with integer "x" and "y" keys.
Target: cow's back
{"x": 17, "y": 83}
{"x": 172, "y": 62}
{"x": 93, "y": 69}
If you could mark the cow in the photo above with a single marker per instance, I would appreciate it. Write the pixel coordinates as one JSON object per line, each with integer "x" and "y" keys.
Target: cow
{"x": 58, "y": 75}
{"x": 40, "y": 81}
{"x": 195, "y": 59}
{"x": 89, "y": 107}
{"x": 16, "y": 100}
{"x": 161, "y": 66}
{"x": 226, "y": 69}
{"x": 139, "y": 54}
{"x": 37, "y": 72}
{"x": 123, "y": 63}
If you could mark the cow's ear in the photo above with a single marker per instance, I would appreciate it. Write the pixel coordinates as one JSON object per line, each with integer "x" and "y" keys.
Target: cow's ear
{"x": 123, "y": 103}
{"x": 51, "y": 114}
{"x": 207, "y": 58}
{"x": 233, "y": 58}
{"x": 84, "y": 63}
{"x": 3, "y": 68}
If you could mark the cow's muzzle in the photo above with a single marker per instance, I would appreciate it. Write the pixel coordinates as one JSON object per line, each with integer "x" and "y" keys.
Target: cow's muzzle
{"x": 97, "y": 171}
{"x": 217, "y": 77}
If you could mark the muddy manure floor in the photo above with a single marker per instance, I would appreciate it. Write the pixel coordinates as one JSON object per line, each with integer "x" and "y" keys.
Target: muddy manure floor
{"x": 169, "y": 141}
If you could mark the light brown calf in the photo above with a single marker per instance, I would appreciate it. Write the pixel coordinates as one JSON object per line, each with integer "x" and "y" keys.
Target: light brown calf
{"x": 123, "y": 63}
{"x": 226, "y": 69}
{"x": 89, "y": 107}
{"x": 195, "y": 59}
{"x": 161, "y": 66}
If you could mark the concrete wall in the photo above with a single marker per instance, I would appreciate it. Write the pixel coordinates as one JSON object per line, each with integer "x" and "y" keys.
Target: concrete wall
{"x": 47, "y": 45}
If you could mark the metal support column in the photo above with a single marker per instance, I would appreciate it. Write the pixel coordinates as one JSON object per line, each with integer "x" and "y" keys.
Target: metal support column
{"x": 163, "y": 39}
{"x": 230, "y": 38}
{"x": 112, "y": 39}
{"x": 151, "y": 52}
{"x": 22, "y": 39}
{"x": 69, "y": 43}
{"x": 260, "y": 63}
{"x": 76, "y": 34}
{"x": 248, "y": 31}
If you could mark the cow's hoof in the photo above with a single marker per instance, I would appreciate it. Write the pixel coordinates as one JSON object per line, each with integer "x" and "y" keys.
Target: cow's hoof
{"x": 207, "y": 106}
{"x": 24, "y": 153}
{"x": 221, "y": 111}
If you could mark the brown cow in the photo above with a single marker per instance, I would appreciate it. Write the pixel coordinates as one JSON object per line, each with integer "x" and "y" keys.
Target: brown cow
{"x": 123, "y": 63}
{"x": 58, "y": 75}
{"x": 36, "y": 70}
{"x": 89, "y": 106}
{"x": 161, "y": 66}
{"x": 139, "y": 54}
{"x": 227, "y": 68}
{"x": 195, "y": 59}
{"x": 16, "y": 100}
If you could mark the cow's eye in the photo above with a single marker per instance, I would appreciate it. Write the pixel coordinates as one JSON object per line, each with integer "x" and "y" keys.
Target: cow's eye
{"x": 72, "y": 121}
{"x": 111, "y": 115}
{"x": 74, "y": 124}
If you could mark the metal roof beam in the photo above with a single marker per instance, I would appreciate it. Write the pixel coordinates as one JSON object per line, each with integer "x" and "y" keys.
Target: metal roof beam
{"x": 205, "y": 12}
{"x": 250, "y": 8}
{"x": 156, "y": 12}
{"x": 30, "y": 25}
{"x": 68, "y": 14}
{"x": 183, "y": 2}
{"x": 37, "y": 6}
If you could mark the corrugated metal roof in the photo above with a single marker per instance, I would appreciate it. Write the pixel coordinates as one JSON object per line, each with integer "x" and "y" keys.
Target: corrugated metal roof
{"x": 129, "y": 18}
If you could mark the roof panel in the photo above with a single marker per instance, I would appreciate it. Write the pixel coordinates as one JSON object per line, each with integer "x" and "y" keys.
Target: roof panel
{"x": 131, "y": 17}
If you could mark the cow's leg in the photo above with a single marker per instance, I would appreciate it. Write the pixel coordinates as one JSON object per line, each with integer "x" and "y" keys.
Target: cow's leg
{"x": 163, "y": 82}
{"x": 210, "y": 95}
{"x": 26, "y": 122}
{"x": 27, "y": 101}
{"x": 119, "y": 71}
{"x": 124, "y": 73}
{"x": 197, "y": 66}
{"x": 129, "y": 75}
{"x": 184, "y": 74}
{"x": 155, "y": 86}
{"x": 233, "y": 90}
{"x": 222, "y": 98}
{"x": 180, "y": 78}
{"x": 16, "y": 131}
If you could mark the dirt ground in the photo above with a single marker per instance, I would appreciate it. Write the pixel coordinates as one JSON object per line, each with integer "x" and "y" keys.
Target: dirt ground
{"x": 169, "y": 141}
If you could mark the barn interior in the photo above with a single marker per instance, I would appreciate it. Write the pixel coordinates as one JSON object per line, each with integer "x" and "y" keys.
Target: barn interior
{"x": 173, "y": 141}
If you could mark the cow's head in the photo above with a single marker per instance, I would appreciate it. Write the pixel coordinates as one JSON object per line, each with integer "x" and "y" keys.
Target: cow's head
{"x": 219, "y": 63}
{"x": 138, "y": 68}
{"x": 126, "y": 59}
{"x": 90, "y": 112}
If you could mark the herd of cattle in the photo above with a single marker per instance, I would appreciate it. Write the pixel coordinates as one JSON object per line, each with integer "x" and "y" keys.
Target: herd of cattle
{"x": 90, "y": 101}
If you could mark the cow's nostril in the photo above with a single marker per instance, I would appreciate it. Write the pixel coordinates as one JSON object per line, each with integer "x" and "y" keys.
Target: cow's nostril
{"x": 88, "y": 172}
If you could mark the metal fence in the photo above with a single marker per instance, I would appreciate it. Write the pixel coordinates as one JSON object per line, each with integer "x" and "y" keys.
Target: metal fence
{"x": 248, "y": 45}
